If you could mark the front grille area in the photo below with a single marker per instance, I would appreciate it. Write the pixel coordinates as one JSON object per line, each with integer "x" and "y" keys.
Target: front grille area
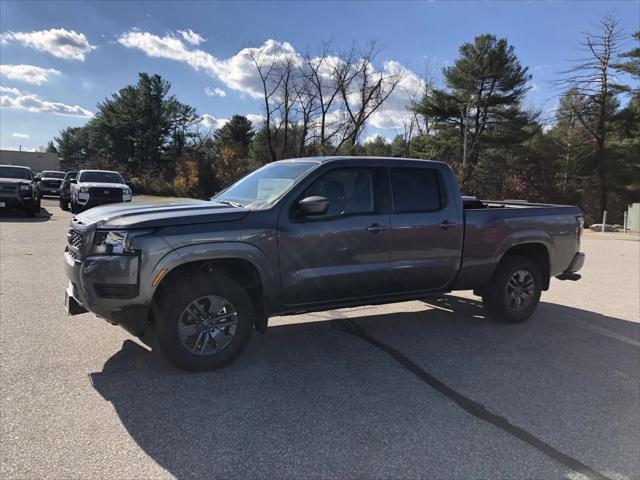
{"x": 75, "y": 240}
{"x": 8, "y": 188}
{"x": 51, "y": 183}
{"x": 105, "y": 192}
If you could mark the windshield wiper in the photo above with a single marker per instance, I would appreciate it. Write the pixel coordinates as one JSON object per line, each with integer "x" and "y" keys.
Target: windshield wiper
{"x": 229, "y": 202}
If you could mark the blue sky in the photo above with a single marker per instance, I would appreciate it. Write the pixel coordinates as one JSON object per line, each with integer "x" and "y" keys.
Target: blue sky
{"x": 60, "y": 58}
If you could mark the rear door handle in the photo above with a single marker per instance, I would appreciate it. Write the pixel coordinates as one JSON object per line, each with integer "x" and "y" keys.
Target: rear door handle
{"x": 375, "y": 228}
{"x": 446, "y": 225}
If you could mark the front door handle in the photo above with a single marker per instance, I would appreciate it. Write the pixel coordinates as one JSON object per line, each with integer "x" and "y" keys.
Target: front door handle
{"x": 446, "y": 225}
{"x": 375, "y": 228}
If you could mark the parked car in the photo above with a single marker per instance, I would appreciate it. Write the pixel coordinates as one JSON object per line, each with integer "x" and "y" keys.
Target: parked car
{"x": 65, "y": 189}
{"x": 306, "y": 235}
{"x": 19, "y": 189}
{"x": 50, "y": 182}
{"x": 97, "y": 187}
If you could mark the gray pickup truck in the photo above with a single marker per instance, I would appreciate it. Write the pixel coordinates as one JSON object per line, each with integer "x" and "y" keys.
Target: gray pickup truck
{"x": 307, "y": 235}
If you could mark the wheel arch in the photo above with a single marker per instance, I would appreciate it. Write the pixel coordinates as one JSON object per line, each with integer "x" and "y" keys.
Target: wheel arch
{"x": 243, "y": 263}
{"x": 537, "y": 251}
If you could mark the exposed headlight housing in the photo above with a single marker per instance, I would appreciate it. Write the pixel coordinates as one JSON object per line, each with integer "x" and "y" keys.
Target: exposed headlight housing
{"x": 110, "y": 243}
{"x": 24, "y": 187}
{"x": 115, "y": 242}
{"x": 84, "y": 190}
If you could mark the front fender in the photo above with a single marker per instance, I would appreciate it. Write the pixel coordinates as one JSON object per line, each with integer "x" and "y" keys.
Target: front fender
{"x": 220, "y": 251}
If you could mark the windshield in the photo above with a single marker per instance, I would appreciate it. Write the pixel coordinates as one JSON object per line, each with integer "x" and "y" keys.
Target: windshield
{"x": 15, "y": 172}
{"x": 265, "y": 184}
{"x": 53, "y": 174}
{"x": 101, "y": 177}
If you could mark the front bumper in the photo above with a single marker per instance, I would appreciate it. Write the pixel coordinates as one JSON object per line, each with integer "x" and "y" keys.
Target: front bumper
{"x": 575, "y": 266}
{"x": 95, "y": 201}
{"x": 106, "y": 285}
{"x": 49, "y": 190}
{"x": 15, "y": 200}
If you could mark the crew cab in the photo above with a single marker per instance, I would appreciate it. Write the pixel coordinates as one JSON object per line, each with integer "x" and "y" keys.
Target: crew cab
{"x": 307, "y": 235}
{"x": 19, "y": 189}
{"x": 50, "y": 181}
{"x": 97, "y": 187}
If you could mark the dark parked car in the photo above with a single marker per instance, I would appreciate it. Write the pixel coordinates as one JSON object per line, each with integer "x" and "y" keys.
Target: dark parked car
{"x": 19, "y": 189}
{"x": 306, "y": 235}
{"x": 50, "y": 182}
{"x": 65, "y": 189}
{"x": 97, "y": 187}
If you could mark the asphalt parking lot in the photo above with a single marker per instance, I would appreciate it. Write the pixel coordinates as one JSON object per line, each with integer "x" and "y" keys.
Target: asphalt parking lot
{"x": 411, "y": 390}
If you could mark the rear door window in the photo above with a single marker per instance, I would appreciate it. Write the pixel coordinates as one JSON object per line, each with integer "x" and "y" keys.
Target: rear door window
{"x": 415, "y": 190}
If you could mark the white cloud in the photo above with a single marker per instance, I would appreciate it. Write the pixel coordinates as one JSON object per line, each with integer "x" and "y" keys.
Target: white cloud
{"x": 59, "y": 42}
{"x": 239, "y": 71}
{"x": 215, "y": 92}
{"x": 9, "y": 90}
{"x": 372, "y": 138}
{"x": 19, "y": 135}
{"x": 393, "y": 112}
{"x": 28, "y": 73}
{"x": 192, "y": 37}
{"x": 33, "y": 103}
{"x": 212, "y": 122}
{"x": 255, "y": 118}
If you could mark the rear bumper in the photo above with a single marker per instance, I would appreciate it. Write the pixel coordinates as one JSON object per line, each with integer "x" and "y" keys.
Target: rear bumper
{"x": 576, "y": 264}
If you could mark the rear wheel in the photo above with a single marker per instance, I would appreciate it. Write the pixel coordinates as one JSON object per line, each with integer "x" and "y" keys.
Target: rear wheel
{"x": 514, "y": 291}
{"x": 203, "y": 321}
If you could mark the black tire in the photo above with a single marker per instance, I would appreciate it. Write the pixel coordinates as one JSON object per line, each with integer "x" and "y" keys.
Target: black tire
{"x": 498, "y": 302}
{"x": 175, "y": 298}
{"x": 64, "y": 205}
{"x": 30, "y": 209}
{"x": 39, "y": 205}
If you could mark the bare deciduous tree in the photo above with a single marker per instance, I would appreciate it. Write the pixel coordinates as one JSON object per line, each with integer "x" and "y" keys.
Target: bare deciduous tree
{"x": 591, "y": 78}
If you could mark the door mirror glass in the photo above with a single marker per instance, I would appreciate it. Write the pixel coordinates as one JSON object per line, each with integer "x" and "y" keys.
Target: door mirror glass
{"x": 315, "y": 205}
{"x": 73, "y": 181}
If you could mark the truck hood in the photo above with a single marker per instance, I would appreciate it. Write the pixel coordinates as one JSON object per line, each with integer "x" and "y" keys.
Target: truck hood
{"x": 101, "y": 185}
{"x": 126, "y": 216}
{"x": 14, "y": 181}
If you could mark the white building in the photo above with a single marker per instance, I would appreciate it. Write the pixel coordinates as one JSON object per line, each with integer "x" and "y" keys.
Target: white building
{"x": 38, "y": 161}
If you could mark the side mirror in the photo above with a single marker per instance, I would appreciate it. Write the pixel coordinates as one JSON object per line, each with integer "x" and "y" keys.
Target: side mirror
{"x": 313, "y": 206}
{"x": 36, "y": 179}
{"x": 73, "y": 181}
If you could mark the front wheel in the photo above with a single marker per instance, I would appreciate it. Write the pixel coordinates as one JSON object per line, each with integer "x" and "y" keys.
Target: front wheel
{"x": 64, "y": 204}
{"x": 514, "y": 291}
{"x": 203, "y": 321}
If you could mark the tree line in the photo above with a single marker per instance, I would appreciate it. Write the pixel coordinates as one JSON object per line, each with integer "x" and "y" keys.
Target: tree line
{"x": 585, "y": 153}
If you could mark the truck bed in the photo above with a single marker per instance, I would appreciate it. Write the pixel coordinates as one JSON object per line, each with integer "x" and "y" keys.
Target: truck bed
{"x": 494, "y": 227}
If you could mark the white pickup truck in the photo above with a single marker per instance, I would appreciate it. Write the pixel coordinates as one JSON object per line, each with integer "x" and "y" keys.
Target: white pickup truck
{"x": 97, "y": 187}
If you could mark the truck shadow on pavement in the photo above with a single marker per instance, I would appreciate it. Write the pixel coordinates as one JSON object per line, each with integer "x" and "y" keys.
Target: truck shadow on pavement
{"x": 18, "y": 216}
{"x": 444, "y": 393}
